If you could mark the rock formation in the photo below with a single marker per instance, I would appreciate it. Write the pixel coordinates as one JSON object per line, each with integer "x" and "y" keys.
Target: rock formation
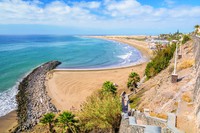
{"x": 33, "y": 101}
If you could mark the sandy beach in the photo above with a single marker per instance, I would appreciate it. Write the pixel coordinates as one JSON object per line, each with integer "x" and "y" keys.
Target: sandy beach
{"x": 8, "y": 121}
{"x": 69, "y": 88}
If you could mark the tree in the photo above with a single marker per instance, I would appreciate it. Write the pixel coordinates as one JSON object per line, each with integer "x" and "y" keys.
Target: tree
{"x": 68, "y": 121}
{"x": 109, "y": 87}
{"x": 160, "y": 61}
{"x": 49, "y": 119}
{"x": 196, "y": 26}
{"x": 132, "y": 80}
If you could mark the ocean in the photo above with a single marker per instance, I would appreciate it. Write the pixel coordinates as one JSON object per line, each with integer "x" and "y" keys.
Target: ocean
{"x": 21, "y": 54}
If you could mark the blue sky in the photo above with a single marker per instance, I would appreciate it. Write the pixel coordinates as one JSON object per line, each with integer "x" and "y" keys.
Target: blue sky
{"x": 98, "y": 17}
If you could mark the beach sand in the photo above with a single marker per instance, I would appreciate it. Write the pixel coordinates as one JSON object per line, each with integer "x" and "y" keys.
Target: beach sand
{"x": 68, "y": 89}
{"x": 8, "y": 121}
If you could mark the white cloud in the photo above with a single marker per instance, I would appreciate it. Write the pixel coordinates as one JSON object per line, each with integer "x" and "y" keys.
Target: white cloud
{"x": 106, "y": 14}
{"x": 169, "y": 2}
{"x": 89, "y": 5}
{"x": 127, "y": 8}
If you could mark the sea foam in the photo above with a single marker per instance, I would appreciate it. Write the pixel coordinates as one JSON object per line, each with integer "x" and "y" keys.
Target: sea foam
{"x": 8, "y": 100}
{"x": 125, "y": 56}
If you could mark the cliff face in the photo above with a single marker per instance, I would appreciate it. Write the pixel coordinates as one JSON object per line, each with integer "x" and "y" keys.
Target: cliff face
{"x": 32, "y": 97}
{"x": 162, "y": 96}
{"x": 197, "y": 83}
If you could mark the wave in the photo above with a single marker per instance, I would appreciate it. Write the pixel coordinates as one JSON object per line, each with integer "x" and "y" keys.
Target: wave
{"x": 125, "y": 56}
{"x": 8, "y": 100}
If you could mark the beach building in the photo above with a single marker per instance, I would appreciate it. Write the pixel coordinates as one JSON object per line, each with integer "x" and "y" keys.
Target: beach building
{"x": 152, "y": 43}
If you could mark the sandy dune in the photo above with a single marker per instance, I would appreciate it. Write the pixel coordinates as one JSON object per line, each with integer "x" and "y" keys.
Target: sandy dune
{"x": 68, "y": 89}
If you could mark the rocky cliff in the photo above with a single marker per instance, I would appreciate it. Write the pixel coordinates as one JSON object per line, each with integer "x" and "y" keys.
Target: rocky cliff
{"x": 161, "y": 96}
{"x": 32, "y": 97}
{"x": 197, "y": 84}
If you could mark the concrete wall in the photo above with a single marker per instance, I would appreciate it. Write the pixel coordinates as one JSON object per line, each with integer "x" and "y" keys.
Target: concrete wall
{"x": 126, "y": 128}
{"x": 148, "y": 120}
{"x": 197, "y": 83}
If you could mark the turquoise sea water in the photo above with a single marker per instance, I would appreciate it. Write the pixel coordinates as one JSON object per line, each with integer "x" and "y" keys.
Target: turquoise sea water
{"x": 20, "y": 54}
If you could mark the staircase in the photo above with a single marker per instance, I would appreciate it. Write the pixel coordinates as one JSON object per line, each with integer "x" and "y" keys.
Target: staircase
{"x": 134, "y": 121}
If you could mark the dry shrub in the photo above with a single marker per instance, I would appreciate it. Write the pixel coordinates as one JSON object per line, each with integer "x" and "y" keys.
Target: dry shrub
{"x": 162, "y": 116}
{"x": 186, "y": 64}
{"x": 176, "y": 104}
{"x": 186, "y": 98}
{"x": 159, "y": 115}
{"x": 190, "y": 104}
{"x": 153, "y": 114}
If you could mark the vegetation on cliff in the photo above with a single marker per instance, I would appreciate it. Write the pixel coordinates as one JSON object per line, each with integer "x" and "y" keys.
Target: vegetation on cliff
{"x": 160, "y": 60}
{"x": 135, "y": 100}
{"x": 185, "y": 39}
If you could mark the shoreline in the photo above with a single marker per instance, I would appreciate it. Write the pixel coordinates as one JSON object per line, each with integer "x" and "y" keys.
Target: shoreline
{"x": 145, "y": 54}
{"x": 103, "y": 68}
{"x": 68, "y": 88}
{"x": 142, "y": 46}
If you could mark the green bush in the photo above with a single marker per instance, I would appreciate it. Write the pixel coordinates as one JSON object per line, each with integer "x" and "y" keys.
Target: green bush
{"x": 100, "y": 113}
{"x": 185, "y": 39}
{"x": 136, "y": 99}
{"x": 160, "y": 61}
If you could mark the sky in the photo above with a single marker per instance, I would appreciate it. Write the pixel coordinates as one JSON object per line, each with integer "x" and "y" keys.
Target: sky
{"x": 98, "y": 17}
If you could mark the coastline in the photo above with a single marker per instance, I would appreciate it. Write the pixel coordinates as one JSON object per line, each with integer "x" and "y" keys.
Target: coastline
{"x": 90, "y": 75}
{"x": 69, "y": 88}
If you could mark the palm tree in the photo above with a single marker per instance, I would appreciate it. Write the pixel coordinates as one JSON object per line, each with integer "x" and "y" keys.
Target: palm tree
{"x": 68, "y": 121}
{"x": 196, "y": 28}
{"x": 133, "y": 79}
{"x": 109, "y": 87}
{"x": 49, "y": 119}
